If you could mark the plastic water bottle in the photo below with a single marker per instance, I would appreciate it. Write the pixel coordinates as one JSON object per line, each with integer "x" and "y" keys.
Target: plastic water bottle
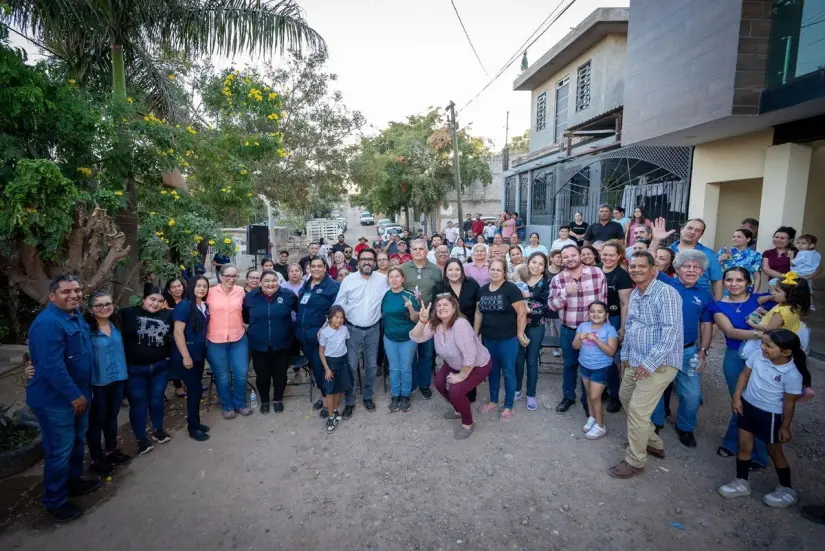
{"x": 692, "y": 364}
{"x": 253, "y": 399}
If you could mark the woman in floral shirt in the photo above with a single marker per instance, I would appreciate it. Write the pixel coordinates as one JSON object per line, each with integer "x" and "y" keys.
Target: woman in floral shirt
{"x": 740, "y": 254}
{"x": 538, "y": 285}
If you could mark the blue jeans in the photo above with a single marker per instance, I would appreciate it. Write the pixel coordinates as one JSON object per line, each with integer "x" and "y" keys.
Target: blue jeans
{"x": 689, "y": 391}
{"x": 503, "y": 356}
{"x": 732, "y": 366}
{"x": 422, "y": 372}
{"x": 370, "y": 339}
{"x": 571, "y": 364}
{"x": 226, "y": 357}
{"x": 309, "y": 344}
{"x": 613, "y": 378}
{"x": 400, "y": 356}
{"x": 64, "y": 441}
{"x": 531, "y": 356}
{"x": 145, "y": 389}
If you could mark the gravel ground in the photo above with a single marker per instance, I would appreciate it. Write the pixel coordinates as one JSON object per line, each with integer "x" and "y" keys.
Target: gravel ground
{"x": 400, "y": 481}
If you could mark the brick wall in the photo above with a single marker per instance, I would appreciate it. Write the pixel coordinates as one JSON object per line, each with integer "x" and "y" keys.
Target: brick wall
{"x": 752, "y": 59}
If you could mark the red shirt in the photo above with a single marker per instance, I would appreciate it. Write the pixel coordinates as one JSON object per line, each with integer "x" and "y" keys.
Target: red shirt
{"x": 360, "y": 247}
{"x": 402, "y": 258}
{"x": 478, "y": 226}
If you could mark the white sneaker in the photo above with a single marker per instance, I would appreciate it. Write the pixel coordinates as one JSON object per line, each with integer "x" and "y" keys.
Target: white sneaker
{"x": 737, "y": 488}
{"x": 518, "y": 395}
{"x": 556, "y": 353}
{"x": 596, "y": 431}
{"x": 780, "y": 498}
{"x": 589, "y": 425}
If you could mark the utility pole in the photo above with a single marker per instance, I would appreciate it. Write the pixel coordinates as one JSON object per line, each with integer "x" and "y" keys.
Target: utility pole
{"x": 505, "y": 161}
{"x": 456, "y": 166}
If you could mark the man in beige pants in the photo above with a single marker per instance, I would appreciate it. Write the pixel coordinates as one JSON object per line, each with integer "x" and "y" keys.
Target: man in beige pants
{"x": 651, "y": 348}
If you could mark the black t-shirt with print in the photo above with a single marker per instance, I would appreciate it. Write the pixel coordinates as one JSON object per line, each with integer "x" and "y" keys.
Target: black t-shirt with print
{"x": 498, "y": 315}
{"x": 598, "y": 232}
{"x": 579, "y": 229}
{"x": 147, "y": 337}
{"x": 617, "y": 280}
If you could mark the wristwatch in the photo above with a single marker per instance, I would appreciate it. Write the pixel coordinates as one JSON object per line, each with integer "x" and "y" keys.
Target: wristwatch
{"x": 705, "y": 350}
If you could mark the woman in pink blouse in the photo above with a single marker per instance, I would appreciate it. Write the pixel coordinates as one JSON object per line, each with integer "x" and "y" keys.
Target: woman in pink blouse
{"x": 478, "y": 268}
{"x": 226, "y": 348}
{"x": 466, "y": 361}
{"x": 508, "y": 226}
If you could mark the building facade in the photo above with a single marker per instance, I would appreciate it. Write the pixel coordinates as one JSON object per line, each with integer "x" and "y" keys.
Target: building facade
{"x": 577, "y": 158}
{"x": 476, "y": 197}
{"x": 743, "y": 82}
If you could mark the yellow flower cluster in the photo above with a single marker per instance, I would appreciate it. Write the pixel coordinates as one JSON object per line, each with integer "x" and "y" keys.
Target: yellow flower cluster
{"x": 153, "y": 119}
{"x": 194, "y": 253}
{"x": 158, "y": 234}
{"x": 71, "y": 82}
{"x": 281, "y": 152}
{"x": 118, "y": 193}
{"x": 227, "y": 241}
{"x": 164, "y": 192}
{"x": 171, "y": 222}
{"x": 172, "y": 77}
{"x": 191, "y": 130}
{"x": 255, "y": 94}
{"x": 198, "y": 238}
{"x": 226, "y": 189}
{"x": 272, "y": 96}
{"x": 249, "y": 195}
{"x": 211, "y": 241}
{"x": 129, "y": 100}
{"x": 244, "y": 172}
{"x": 87, "y": 172}
{"x": 273, "y": 116}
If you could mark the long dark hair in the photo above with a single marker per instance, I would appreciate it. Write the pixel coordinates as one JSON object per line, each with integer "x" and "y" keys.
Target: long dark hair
{"x": 460, "y": 267}
{"x": 799, "y": 295}
{"x": 788, "y": 340}
{"x": 90, "y": 317}
{"x": 547, "y": 274}
{"x": 741, "y": 269}
{"x": 195, "y": 317}
{"x": 167, "y": 294}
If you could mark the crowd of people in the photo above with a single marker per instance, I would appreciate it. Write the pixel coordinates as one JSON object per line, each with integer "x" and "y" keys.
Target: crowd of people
{"x": 634, "y": 321}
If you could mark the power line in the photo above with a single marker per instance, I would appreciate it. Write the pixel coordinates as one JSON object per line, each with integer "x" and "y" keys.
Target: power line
{"x": 527, "y": 43}
{"x": 455, "y": 9}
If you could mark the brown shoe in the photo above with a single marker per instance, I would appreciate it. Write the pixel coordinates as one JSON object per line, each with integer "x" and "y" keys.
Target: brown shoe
{"x": 658, "y": 454}
{"x": 624, "y": 470}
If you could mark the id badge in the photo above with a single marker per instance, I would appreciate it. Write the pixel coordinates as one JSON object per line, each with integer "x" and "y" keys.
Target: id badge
{"x": 418, "y": 276}
{"x": 305, "y": 298}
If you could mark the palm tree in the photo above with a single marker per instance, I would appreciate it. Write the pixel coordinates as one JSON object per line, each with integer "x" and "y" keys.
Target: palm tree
{"x": 127, "y": 41}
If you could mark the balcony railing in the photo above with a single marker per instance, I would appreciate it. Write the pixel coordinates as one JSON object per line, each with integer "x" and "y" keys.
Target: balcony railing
{"x": 797, "y": 45}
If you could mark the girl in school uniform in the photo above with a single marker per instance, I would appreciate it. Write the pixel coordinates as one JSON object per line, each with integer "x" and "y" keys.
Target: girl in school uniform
{"x": 332, "y": 348}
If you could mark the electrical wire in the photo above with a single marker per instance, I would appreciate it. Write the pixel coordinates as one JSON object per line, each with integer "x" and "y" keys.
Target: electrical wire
{"x": 527, "y": 43}
{"x": 455, "y": 9}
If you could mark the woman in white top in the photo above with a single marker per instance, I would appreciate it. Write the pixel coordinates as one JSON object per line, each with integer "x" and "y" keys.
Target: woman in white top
{"x": 534, "y": 246}
{"x": 466, "y": 360}
{"x": 460, "y": 250}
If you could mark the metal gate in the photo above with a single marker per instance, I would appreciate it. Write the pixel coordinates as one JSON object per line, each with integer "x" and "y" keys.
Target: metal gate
{"x": 510, "y": 194}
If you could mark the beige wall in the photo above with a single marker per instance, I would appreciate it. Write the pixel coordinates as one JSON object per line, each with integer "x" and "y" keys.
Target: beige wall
{"x": 607, "y": 60}
{"x": 729, "y": 160}
{"x": 737, "y": 200}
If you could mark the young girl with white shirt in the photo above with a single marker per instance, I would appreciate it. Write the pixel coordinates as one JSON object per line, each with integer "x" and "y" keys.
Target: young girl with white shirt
{"x": 766, "y": 394}
{"x": 332, "y": 349}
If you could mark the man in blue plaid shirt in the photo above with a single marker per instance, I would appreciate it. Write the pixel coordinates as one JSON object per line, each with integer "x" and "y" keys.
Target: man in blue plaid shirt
{"x": 651, "y": 357}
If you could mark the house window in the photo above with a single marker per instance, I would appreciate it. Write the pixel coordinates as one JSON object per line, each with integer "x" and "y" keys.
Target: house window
{"x": 562, "y": 94}
{"x": 541, "y": 112}
{"x": 583, "y": 87}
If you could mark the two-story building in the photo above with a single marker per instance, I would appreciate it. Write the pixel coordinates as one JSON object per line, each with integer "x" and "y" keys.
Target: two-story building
{"x": 744, "y": 83}
{"x": 577, "y": 160}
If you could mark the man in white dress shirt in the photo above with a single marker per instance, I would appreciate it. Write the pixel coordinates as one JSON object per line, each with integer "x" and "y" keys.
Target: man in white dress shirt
{"x": 361, "y": 295}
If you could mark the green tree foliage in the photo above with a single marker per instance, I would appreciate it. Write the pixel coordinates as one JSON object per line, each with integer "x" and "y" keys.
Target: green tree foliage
{"x": 410, "y": 164}
{"x": 520, "y": 143}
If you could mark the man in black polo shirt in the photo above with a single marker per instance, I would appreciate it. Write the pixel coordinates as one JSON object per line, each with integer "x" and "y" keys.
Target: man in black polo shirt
{"x": 605, "y": 229}
{"x": 340, "y": 246}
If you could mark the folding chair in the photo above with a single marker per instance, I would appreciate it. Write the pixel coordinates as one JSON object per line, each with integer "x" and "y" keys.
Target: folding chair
{"x": 301, "y": 363}
{"x": 549, "y": 341}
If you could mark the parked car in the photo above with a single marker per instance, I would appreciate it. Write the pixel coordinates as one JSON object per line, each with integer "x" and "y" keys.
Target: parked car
{"x": 342, "y": 222}
{"x": 390, "y": 231}
{"x": 367, "y": 219}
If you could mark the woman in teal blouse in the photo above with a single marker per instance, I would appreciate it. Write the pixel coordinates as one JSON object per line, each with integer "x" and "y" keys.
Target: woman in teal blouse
{"x": 400, "y": 314}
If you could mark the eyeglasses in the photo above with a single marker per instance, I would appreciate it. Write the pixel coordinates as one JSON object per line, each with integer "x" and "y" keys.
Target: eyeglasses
{"x": 103, "y": 305}
{"x": 367, "y": 260}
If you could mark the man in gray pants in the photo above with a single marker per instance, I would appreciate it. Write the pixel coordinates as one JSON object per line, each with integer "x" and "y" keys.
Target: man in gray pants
{"x": 360, "y": 296}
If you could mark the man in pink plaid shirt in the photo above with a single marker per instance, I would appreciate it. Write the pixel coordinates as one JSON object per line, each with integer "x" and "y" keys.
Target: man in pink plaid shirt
{"x": 571, "y": 293}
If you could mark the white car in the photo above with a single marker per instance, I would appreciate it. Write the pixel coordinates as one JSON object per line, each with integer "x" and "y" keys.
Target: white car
{"x": 367, "y": 219}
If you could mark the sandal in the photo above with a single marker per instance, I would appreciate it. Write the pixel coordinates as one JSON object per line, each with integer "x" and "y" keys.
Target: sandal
{"x": 490, "y": 407}
{"x": 531, "y": 404}
{"x": 506, "y": 415}
{"x": 722, "y": 451}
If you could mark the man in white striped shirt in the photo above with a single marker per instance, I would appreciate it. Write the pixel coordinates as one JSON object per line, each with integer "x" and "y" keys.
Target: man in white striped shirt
{"x": 651, "y": 357}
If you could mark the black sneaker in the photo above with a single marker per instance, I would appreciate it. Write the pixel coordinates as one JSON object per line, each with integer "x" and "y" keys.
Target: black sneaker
{"x": 324, "y": 413}
{"x": 82, "y": 486}
{"x": 426, "y": 392}
{"x": 66, "y": 512}
{"x": 265, "y": 408}
{"x": 370, "y": 405}
{"x": 564, "y": 405}
{"x": 614, "y": 405}
{"x": 331, "y": 424}
{"x": 318, "y": 405}
{"x": 161, "y": 437}
{"x": 198, "y": 435}
{"x": 278, "y": 407}
{"x": 203, "y": 427}
{"x": 686, "y": 438}
{"x": 117, "y": 457}
{"x": 348, "y": 411}
{"x": 102, "y": 468}
{"x": 337, "y": 416}
{"x": 394, "y": 404}
{"x": 144, "y": 446}
{"x": 405, "y": 404}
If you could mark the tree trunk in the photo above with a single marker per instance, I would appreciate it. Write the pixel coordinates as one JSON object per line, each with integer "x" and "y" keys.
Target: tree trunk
{"x": 118, "y": 72}
{"x": 127, "y": 278}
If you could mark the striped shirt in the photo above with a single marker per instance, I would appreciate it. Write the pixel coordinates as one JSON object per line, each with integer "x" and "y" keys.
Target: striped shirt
{"x": 653, "y": 329}
{"x": 572, "y": 308}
